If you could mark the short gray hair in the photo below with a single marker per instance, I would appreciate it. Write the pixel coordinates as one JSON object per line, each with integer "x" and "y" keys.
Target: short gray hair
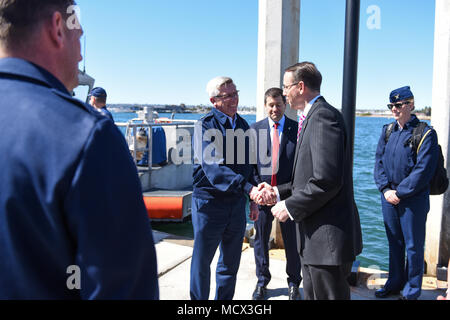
{"x": 213, "y": 86}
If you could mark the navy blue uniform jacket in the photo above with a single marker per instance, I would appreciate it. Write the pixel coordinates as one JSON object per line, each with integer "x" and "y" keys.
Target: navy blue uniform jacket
{"x": 398, "y": 168}
{"x": 219, "y": 172}
{"x": 70, "y": 195}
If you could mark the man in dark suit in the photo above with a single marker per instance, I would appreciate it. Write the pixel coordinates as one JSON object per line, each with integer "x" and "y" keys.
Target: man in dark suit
{"x": 320, "y": 196}
{"x": 274, "y": 166}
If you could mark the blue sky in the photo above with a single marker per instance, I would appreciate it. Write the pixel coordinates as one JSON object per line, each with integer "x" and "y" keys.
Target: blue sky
{"x": 164, "y": 52}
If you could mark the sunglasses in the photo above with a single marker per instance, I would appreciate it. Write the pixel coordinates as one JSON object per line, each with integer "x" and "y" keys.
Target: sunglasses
{"x": 398, "y": 105}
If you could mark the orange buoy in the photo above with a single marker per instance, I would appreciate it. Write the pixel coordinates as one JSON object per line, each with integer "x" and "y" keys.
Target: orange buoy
{"x": 163, "y": 120}
{"x": 164, "y": 208}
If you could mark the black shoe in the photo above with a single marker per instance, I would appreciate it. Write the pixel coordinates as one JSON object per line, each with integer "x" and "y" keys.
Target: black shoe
{"x": 384, "y": 293}
{"x": 405, "y": 298}
{"x": 294, "y": 293}
{"x": 259, "y": 293}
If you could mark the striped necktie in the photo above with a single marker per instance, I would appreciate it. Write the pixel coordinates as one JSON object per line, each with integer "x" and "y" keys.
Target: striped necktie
{"x": 275, "y": 151}
{"x": 300, "y": 125}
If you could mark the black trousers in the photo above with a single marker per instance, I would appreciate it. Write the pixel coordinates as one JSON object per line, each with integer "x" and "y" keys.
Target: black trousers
{"x": 326, "y": 282}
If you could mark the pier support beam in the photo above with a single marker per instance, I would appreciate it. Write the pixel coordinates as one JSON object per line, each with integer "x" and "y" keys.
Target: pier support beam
{"x": 437, "y": 245}
{"x": 278, "y": 46}
{"x": 350, "y": 81}
{"x": 278, "y": 49}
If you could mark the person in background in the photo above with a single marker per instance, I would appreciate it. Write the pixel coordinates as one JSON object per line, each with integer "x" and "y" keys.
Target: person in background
{"x": 73, "y": 224}
{"x": 280, "y": 133}
{"x": 403, "y": 178}
{"x": 447, "y": 294}
{"x": 97, "y": 99}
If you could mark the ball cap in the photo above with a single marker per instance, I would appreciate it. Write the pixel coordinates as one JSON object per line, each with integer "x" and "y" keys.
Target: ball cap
{"x": 401, "y": 94}
{"x": 98, "y": 93}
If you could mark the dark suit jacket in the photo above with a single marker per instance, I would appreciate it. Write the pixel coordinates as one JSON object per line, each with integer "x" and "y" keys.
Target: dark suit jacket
{"x": 262, "y": 171}
{"x": 320, "y": 195}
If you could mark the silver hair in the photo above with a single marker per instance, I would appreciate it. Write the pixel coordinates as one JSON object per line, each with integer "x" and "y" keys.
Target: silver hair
{"x": 213, "y": 86}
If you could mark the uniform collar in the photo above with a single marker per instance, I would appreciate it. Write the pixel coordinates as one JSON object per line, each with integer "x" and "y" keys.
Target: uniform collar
{"x": 25, "y": 69}
{"x": 412, "y": 123}
{"x": 222, "y": 117}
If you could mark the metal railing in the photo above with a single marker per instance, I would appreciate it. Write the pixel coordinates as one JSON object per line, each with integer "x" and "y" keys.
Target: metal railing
{"x": 131, "y": 130}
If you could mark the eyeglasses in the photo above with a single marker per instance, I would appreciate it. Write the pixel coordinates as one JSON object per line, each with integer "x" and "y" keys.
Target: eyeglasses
{"x": 229, "y": 96}
{"x": 290, "y": 86}
{"x": 398, "y": 105}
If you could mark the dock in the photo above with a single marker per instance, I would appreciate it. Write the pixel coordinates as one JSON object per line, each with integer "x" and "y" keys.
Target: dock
{"x": 174, "y": 262}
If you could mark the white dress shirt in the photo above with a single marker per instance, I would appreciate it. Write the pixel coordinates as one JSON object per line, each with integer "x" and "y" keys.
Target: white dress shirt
{"x": 280, "y": 127}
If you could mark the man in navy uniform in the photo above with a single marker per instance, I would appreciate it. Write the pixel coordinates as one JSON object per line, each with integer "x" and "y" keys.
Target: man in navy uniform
{"x": 73, "y": 224}
{"x": 281, "y": 136}
{"x": 97, "y": 99}
{"x": 403, "y": 178}
{"x": 221, "y": 186}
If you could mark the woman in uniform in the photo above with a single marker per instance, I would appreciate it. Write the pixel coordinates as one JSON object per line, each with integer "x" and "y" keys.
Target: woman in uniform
{"x": 403, "y": 178}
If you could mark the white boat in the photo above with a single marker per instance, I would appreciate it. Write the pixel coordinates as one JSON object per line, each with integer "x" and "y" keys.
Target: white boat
{"x": 167, "y": 185}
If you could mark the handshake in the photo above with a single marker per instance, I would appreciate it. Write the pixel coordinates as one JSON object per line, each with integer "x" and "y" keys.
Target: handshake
{"x": 263, "y": 195}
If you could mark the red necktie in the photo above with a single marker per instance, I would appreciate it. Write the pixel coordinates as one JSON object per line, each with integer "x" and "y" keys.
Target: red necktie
{"x": 275, "y": 150}
{"x": 300, "y": 125}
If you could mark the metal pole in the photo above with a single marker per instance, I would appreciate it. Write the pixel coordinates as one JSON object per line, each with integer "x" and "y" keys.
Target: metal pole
{"x": 352, "y": 16}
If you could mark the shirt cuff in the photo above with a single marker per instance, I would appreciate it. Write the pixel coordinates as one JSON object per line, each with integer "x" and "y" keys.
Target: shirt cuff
{"x": 277, "y": 193}
{"x": 283, "y": 204}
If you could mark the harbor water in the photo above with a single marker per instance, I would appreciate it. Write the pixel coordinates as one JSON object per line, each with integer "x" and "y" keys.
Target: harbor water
{"x": 367, "y": 133}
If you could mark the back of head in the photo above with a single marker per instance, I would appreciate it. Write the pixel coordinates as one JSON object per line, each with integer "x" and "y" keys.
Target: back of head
{"x": 99, "y": 94}
{"x": 214, "y": 85}
{"x": 308, "y": 73}
{"x": 19, "y": 19}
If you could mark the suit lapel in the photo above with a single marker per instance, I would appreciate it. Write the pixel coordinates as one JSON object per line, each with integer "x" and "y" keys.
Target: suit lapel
{"x": 288, "y": 127}
{"x": 313, "y": 109}
{"x": 269, "y": 141}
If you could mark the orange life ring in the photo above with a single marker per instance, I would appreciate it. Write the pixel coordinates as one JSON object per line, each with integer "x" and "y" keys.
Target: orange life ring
{"x": 163, "y": 120}
{"x": 164, "y": 207}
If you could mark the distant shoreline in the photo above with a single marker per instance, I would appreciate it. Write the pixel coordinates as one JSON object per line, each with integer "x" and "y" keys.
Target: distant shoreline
{"x": 419, "y": 116}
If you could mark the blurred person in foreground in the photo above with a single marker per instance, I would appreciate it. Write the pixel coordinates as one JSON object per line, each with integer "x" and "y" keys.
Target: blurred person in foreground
{"x": 72, "y": 224}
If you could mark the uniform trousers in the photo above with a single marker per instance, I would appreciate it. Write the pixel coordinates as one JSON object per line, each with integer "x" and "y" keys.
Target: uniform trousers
{"x": 216, "y": 223}
{"x": 405, "y": 225}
